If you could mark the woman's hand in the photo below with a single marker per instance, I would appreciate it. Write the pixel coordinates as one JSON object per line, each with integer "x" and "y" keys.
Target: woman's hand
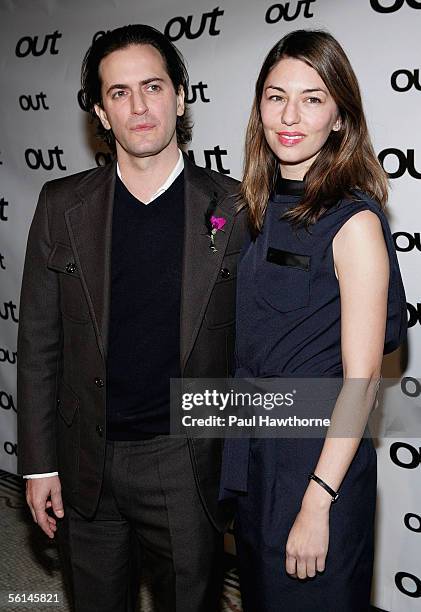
{"x": 308, "y": 540}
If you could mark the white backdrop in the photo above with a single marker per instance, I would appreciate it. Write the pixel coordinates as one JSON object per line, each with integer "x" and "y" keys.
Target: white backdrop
{"x": 45, "y": 135}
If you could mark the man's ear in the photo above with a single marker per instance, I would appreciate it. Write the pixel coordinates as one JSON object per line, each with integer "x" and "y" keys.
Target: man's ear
{"x": 180, "y": 102}
{"x": 102, "y": 116}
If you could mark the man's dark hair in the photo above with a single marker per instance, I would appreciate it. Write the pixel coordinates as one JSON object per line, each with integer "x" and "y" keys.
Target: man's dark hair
{"x": 121, "y": 38}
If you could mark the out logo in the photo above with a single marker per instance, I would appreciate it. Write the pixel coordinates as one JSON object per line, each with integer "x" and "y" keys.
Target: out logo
{"x": 35, "y": 159}
{"x": 177, "y": 27}
{"x": 35, "y": 102}
{"x": 408, "y": 584}
{"x": 409, "y": 460}
{"x": 29, "y": 45}
{"x": 405, "y": 160}
{"x": 276, "y": 12}
{"x": 404, "y": 80}
{"x": 406, "y": 242}
{"x": 379, "y": 6}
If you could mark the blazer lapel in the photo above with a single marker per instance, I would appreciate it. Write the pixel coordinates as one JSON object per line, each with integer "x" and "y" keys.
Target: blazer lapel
{"x": 201, "y": 265}
{"x": 90, "y": 228}
{"x": 89, "y": 223}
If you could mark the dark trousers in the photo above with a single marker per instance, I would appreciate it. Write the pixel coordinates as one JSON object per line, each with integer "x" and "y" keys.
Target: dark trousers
{"x": 150, "y": 505}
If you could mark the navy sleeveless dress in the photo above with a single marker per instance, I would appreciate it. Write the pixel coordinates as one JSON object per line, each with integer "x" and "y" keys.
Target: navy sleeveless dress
{"x": 288, "y": 324}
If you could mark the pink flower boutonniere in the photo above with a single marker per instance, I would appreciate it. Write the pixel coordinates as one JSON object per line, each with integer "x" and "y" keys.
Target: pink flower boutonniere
{"x": 213, "y": 223}
{"x": 217, "y": 224}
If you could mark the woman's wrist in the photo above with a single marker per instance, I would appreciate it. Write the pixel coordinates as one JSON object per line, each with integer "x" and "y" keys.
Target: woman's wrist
{"x": 316, "y": 498}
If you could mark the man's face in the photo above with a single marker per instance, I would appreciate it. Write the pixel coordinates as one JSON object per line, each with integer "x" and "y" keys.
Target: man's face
{"x": 139, "y": 103}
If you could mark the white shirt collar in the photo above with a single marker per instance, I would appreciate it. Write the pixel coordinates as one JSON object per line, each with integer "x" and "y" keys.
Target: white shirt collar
{"x": 178, "y": 169}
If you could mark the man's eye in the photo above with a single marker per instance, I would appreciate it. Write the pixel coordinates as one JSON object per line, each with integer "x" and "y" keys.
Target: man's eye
{"x": 119, "y": 94}
{"x": 154, "y": 87}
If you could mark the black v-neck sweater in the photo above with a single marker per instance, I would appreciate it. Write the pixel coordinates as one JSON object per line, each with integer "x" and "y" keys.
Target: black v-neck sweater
{"x": 144, "y": 330}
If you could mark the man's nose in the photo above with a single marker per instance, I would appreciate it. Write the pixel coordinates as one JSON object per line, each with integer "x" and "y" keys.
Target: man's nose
{"x": 139, "y": 106}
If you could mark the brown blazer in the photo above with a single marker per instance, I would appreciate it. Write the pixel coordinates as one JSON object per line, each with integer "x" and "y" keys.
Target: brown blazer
{"x": 64, "y": 317}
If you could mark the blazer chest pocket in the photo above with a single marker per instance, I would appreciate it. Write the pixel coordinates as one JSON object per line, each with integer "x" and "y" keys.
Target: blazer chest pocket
{"x": 221, "y": 308}
{"x": 72, "y": 297}
{"x": 284, "y": 279}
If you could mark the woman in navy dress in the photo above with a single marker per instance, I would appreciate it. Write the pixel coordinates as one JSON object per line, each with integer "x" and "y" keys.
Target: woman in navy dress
{"x": 319, "y": 296}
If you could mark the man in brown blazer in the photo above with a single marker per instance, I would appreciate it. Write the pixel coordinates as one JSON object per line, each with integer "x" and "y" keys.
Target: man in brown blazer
{"x": 124, "y": 287}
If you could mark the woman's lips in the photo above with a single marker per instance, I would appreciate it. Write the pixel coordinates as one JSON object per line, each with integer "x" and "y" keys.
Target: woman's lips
{"x": 290, "y": 139}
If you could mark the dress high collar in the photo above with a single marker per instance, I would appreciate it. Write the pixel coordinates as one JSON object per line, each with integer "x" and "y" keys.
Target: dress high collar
{"x": 289, "y": 187}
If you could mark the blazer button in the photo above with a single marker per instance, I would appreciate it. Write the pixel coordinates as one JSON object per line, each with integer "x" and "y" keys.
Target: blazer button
{"x": 100, "y": 430}
{"x": 71, "y": 267}
{"x": 225, "y": 273}
{"x": 99, "y": 382}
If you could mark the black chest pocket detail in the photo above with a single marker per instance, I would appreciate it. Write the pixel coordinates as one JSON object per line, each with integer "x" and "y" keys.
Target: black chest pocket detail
{"x": 72, "y": 297}
{"x": 284, "y": 280}
{"x": 287, "y": 258}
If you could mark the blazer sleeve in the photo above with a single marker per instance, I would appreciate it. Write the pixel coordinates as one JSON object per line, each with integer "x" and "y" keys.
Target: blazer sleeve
{"x": 39, "y": 350}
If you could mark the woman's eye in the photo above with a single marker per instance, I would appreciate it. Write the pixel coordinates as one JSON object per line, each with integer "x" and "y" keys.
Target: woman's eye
{"x": 314, "y": 100}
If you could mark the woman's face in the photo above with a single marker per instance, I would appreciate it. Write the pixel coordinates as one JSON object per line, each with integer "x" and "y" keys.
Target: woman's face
{"x": 298, "y": 114}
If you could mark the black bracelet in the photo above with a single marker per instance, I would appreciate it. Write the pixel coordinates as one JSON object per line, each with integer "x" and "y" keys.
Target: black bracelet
{"x": 325, "y": 486}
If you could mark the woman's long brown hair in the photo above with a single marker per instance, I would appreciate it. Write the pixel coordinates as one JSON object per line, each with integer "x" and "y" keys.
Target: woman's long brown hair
{"x": 346, "y": 161}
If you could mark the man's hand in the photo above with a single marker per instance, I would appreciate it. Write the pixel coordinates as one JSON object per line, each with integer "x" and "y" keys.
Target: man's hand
{"x": 41, "y": 494}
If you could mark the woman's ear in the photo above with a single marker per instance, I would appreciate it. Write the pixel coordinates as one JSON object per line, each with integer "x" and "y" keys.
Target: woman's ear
{"x": 337, "y": 125}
